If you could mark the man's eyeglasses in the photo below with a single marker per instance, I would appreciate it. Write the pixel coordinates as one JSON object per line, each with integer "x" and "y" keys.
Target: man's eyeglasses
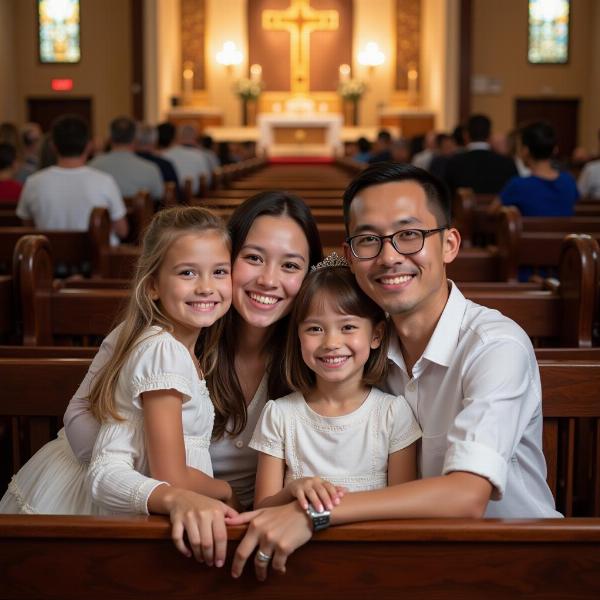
{"x": 406, "y": 241}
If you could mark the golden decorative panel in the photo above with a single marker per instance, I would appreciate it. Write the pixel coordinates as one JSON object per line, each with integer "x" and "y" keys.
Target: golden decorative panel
{"x": 193, "y": 33}
{"x": 300, "y": 43}
{"x": 408, "y": 37}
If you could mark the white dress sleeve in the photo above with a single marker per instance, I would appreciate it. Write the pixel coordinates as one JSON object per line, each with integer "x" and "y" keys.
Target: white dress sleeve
{"x": 402, "y": 425}
{"x": 118, "y": 474}
{"x": 269, "y": 435}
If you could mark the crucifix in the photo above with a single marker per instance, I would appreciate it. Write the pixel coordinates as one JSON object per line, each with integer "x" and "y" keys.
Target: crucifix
{"x": 300, "y": 19}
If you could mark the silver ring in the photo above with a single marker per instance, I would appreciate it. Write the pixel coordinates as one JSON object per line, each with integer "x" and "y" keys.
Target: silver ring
{"x": 262, "y": 556}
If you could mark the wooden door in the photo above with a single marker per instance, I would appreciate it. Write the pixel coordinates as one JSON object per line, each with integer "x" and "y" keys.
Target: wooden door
{"x": 45, "y": 110}
{"x": 562, "y": 114}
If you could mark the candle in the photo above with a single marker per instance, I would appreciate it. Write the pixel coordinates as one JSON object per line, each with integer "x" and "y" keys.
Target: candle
{"x": 344, "y": 71}
{"x": 255, "y": 73}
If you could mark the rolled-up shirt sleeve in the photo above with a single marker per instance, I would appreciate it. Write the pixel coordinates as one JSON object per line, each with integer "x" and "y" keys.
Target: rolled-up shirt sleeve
{"x": 496, "y": 409}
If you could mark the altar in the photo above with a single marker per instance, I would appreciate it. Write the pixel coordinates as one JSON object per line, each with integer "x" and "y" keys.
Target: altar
{"x": 310, "y": 134}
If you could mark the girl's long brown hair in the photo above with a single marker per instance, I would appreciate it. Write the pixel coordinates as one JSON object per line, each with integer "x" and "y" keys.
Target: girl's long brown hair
{"x": 223, "y": 383}
{"x": 142, "y": 312}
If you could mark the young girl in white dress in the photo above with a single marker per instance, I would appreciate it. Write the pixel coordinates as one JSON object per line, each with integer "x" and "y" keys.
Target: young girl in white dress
{"x": 336, "y": 432}
{"x": 151, "y": 398}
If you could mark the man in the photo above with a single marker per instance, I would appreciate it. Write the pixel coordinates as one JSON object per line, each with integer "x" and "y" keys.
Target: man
{"x": 479, "y": 168}
{"x": 382, "y": 148}
{"x": 62, "y": 197}
{"x": 146, "y": 138}
{"x": 469, "y": 374}
{"x": 131, "y": 172}
{"x": 190, "y": 163}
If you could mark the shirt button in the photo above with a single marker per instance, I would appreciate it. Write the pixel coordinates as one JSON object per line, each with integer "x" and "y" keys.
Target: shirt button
{"x": 239, "y": 444}
{"x": 410, "y": 386}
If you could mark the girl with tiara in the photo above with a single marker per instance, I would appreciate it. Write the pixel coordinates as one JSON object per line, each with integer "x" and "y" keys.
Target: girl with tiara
{"x": 335, "y": 432}
{"x": 150, "y": 397}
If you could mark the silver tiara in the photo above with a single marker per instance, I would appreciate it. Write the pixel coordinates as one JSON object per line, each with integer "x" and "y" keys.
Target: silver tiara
{"x": 333, "y": 260}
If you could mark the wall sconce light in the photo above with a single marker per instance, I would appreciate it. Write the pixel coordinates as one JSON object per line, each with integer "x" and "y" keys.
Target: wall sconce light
{"x": 230, "y": 55}
{"x": 371, "y": 56}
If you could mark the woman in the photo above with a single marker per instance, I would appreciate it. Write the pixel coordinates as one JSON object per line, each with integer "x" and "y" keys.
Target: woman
{"x": 274, "y": 242}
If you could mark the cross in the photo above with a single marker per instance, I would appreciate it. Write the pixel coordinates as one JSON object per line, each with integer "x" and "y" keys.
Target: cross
{"x": 300, "y": 19}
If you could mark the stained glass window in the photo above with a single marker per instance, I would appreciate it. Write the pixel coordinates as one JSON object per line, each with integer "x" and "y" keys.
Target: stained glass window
{"x": 59, "y": 31}
{"x": 548, "y": 31}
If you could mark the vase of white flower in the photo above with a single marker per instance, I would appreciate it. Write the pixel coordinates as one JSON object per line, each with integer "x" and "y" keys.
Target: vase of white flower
{"x": 247, "y": 91}
{"x": 351, "y": 91}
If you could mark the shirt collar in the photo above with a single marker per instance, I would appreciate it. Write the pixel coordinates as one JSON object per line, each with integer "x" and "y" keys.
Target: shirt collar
{"x": 443, "y": 342}
{"x": 478, "y": 146}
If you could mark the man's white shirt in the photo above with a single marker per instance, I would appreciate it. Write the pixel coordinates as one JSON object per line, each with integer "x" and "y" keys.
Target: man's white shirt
{"x": 476, "y": 394}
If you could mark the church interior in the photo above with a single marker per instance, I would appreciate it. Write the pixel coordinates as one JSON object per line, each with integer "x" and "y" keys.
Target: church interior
{"x": 303, "y": 96}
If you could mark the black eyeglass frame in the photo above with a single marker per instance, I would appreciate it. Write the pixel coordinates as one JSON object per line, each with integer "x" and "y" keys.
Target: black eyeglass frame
{"x": 424, "y": 233}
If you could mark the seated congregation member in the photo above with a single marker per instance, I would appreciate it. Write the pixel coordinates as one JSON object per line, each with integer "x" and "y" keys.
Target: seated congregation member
{"x": 10, "y": 188}
{"x": 146, "y": 140}
{"x": 150, "y": 397}
{"x": 547, "y": 192}
{"x": 336, "y": 431}
{"x": 207, "y": 145}
{"x": 363, "y": 153}
{"x": 382, "y": 148}
{"x": 61, "y": 197}
{"x": 31, "y": 138}
{"x": 131, "y": 172}
{"x": 468, "y": 372}
{"x": 190, "y": 163}
{"x": 589, "y": 180}
{"x": 479, "y": 167}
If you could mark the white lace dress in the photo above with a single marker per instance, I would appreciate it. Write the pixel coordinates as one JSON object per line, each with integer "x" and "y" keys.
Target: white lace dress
{"x": 350, "y": 450}
{"x": 54, "y": 482}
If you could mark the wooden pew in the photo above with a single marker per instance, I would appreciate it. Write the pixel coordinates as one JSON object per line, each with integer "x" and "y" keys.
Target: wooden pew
{"x": 140, "y": 210}
{"x": 69, "y": 558}
{"x": 7, "y": 309}
{"x": 522, "y": 243}
{"x": 71, "y": 248}
{"x": 569, "y": 392}
{"x": 49, "y": 314}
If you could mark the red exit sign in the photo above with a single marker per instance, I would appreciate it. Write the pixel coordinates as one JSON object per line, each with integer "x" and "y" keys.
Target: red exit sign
{"x": 62, "y": 85}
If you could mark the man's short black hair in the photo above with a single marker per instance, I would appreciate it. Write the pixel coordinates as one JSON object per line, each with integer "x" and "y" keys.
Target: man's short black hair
{"x": 539, "y": 138}
{"x": 70, "y": 135}
{"x": 438, "y": 195}
{"x": 384, "y": 136}
{"x": 166, "y": 134}
{"x": 8, "y": 155}
{"x": 479, "y": 128}
{"x": 122, "y": 130}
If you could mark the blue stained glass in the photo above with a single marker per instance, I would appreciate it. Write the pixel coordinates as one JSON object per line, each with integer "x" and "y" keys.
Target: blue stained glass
{"x": 59, "y": 31}
{"x": 548, "y": 31}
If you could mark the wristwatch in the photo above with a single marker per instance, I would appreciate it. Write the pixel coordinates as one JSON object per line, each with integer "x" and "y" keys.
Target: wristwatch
{"x": 320, "y": 520}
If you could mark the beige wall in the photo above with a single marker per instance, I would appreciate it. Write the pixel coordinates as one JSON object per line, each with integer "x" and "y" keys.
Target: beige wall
{"x": 8, "y": 105}
{"x": 500, "y": 52}
{"x": 104, "y": 72}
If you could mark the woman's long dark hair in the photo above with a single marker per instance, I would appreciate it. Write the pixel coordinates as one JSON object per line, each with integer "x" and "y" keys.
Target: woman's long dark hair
{"x": 223, "y": 383}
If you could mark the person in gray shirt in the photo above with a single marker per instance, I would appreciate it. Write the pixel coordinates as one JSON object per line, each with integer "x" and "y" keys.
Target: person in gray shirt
{"x": 131, "y": 172}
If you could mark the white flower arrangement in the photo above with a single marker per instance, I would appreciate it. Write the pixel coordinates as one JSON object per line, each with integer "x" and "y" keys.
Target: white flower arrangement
{"x": 352, "y": 89}
{"x": 247, "y": 89}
